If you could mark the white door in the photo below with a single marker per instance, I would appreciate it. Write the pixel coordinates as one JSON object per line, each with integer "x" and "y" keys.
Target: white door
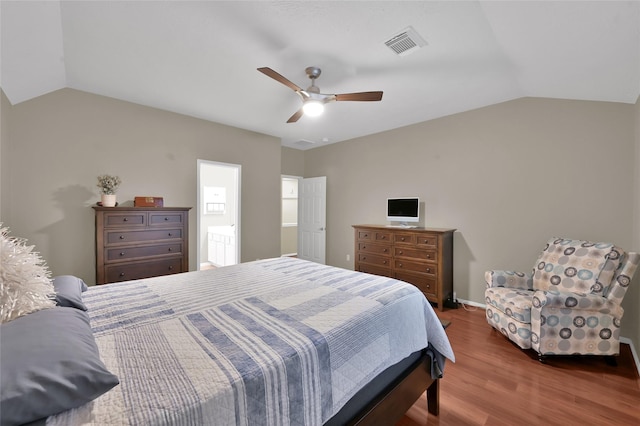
{"x": 312, "y": 219}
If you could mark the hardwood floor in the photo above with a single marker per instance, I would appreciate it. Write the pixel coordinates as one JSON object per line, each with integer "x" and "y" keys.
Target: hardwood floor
{"x": 493, "y": 382}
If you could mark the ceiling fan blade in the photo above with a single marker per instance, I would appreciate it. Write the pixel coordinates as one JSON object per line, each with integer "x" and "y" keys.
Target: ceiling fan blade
{"x": 295, "y": 117}
{"x": 274, "y": 75}
{"x": 361, "y": 96}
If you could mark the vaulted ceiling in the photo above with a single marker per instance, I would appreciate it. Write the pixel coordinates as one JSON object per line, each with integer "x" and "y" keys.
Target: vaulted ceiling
{"x": 200, "y": 58}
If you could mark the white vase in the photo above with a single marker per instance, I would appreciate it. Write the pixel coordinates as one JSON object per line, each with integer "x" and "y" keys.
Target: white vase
{"x": 108, "y": 200}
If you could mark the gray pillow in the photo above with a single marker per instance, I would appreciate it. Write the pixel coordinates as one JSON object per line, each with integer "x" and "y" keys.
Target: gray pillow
{"x": 50, "y": 363}
{"x": 69, "y": 291}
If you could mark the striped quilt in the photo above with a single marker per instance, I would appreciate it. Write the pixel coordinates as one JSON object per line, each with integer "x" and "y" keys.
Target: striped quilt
{"x": 273, "y": 342}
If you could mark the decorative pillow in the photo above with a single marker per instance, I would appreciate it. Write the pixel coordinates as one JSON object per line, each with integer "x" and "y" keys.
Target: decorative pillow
{"x": 50, "y": 363}
{"x": 69, "y": 291}
{"x": 25, "y": 286}
{"x": 576, "y": 265}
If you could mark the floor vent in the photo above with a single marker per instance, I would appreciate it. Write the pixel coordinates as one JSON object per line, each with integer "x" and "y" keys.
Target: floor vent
{"x": 405, "y": 42}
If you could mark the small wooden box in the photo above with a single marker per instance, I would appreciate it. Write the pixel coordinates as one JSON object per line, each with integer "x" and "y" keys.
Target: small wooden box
{"x": 148, "y": 202}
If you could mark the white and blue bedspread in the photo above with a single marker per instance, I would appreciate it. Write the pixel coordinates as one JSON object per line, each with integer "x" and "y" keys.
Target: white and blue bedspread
{"x": 274, "y": 342}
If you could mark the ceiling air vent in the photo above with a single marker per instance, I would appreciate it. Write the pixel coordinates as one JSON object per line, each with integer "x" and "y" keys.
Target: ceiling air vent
{"x": 405, "y": 42}
{"x": 303, "y": 143}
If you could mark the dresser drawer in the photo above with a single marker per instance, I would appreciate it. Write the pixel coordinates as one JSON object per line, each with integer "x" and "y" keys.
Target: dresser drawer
{"x": 159, "y": 218}
{"x": 121, "y": 237}
{"x": 374, "y": 248}
{"x": 426, "y": 283}
{"x": 374, "y": 260}
{"x": 119, "y": 220}
{"x": 365, "y": 235}
{"x": 425, "y": 268}
{"x": 139, "y": 270}
{"x": 382, "y": 237}
{"x": 407, "y": 238}
{"x": 127, "y": 253}
{"x": 428, "y": 241}
{"x": 374, "y": 269}
{"x": 420, "y": 254}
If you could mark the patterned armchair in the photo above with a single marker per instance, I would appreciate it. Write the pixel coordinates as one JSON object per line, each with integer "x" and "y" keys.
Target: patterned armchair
{"x": 569, "y": 303}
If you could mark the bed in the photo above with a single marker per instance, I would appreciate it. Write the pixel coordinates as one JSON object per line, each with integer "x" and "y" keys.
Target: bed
{"x": 275, "y": 342}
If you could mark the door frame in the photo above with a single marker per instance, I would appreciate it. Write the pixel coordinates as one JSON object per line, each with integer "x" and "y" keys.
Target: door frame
{"x": 282, "y": 178}
{"x": 203, "y": 163}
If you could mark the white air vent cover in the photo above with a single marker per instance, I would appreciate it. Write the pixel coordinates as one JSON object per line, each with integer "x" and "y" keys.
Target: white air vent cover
{"x": 304, "y": 143}
{"x": 405, "y": 42}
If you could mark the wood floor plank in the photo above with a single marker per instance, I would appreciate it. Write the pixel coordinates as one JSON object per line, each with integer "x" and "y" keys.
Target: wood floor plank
{"x": 494, "y": 382}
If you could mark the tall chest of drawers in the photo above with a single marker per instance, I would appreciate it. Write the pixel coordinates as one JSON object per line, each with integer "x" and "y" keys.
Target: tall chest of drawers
{"x": 134, "y": 243}
{"x": 420, "y": 256}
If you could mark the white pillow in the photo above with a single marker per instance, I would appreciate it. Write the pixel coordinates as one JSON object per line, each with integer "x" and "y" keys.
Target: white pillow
{"x": 25, "y": 285}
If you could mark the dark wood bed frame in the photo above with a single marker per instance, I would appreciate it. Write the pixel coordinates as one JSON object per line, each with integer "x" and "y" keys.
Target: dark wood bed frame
{"x": 399, "y": 396}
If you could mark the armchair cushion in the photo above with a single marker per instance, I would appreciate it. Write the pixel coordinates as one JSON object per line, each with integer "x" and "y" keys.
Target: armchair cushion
{"x": 576, "y": 266}
{"x": 513, "y": 302}
{"x": 510, "y": 279}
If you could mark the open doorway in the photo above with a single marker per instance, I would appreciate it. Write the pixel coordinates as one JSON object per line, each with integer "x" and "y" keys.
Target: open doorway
{"x": 218, "y": 224}
{"x": 289, "y": 230}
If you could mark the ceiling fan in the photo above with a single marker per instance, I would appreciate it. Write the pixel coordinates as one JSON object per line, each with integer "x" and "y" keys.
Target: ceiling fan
{"x": 312, "y": 100}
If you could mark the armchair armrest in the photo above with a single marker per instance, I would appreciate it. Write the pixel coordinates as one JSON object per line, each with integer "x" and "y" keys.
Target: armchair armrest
{"x": 509, "y": 279}
{"x": 577, "y": 302}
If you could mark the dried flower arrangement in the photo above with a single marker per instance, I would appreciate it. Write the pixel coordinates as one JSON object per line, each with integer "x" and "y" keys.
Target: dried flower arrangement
{"x": 108, "y": 184}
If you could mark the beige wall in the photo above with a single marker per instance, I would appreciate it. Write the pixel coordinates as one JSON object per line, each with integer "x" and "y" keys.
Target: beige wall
{"x": 632, "y": 313}
{"x": 508, "y": 177}
{"x": 292, "y": 162}
{"x": 60, "y": 142}
{"x": 4, "y": 137}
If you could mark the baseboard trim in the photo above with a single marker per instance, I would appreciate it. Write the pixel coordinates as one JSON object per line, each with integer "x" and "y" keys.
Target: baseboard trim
{"x": 629, "y": 342}
{"x": 472, "y": 303}
{"x": 624, "y": 340}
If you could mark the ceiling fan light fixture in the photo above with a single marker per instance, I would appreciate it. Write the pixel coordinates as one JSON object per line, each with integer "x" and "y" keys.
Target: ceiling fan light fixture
{"x": 313, "y": 108}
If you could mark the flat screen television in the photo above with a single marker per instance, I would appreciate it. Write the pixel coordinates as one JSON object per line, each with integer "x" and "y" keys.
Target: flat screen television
{"x": 403, "y": 210}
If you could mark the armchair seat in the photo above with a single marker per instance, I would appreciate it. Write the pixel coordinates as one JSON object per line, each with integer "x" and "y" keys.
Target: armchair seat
{"x": 509, "y": 311}
{"x": 568, "y": 304}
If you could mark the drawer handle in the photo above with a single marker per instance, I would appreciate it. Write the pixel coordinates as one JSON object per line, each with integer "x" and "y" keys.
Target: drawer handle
{"x": 166, "y": 218}
{"x": 126, "y": 219}
{"x": 170, "y": 234}
{"x": 366, "y": 235}
{"x": 121, "y": 253}
{"x": 122, "y": 237}
{"x": 384, "y": 250}
{"x": 400, "y": 252}
{"x": 400, "y": 265}
{"x": 171, "y": 268}
{"x": 383, "y": 237}
{"x": 122, "y": 274}
{"x": 170, "y": 249}
{"x": 402, "y": 238}
{"x": 426, "y": 241}
{"x": 428, "y": 256}
{"x": 384, "y": 262}
{"x": 364, "y": 247}
{"x": 364, "y": 257}
{"x": 428, "y": 269}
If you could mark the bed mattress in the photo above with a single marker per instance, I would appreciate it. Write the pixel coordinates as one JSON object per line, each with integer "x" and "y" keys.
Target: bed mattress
{"x": 274, "y": 342}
